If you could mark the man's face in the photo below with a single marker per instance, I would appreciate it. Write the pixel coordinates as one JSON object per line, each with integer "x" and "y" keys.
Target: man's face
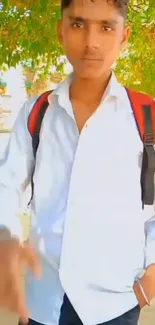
{"x": 92, "y": 34}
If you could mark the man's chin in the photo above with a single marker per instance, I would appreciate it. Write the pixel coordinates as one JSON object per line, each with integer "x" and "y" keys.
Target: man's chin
{"x": 89, "y": 74}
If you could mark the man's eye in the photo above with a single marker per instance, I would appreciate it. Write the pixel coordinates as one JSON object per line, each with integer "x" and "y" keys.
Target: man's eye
{"x": 77, "y": 25}
{"x": 106, "y": 29}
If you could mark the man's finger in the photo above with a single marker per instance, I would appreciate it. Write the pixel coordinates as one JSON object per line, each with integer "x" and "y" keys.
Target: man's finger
{"x": 17, "y": 303}
{"x": 32, "y": 259}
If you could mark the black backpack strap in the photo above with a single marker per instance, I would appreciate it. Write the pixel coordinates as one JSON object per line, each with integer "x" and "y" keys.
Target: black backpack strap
{"x": 34, "y": 126}
{"x": 143, "y": 107}
{"x": 148, "y": 161}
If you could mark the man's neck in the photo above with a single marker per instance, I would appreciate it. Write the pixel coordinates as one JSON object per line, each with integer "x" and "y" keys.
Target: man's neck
{"x": 89, "y": 90}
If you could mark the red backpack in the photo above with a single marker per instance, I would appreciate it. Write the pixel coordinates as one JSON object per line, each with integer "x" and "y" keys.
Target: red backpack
{"x": 143, "y": 107}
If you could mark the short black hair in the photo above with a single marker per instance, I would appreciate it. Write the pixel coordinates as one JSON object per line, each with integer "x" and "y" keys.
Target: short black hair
{"x": 122, "y": 5}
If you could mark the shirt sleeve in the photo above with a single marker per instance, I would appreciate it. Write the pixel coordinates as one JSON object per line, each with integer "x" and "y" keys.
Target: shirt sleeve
{"x": 15, "y": 172}
{"x": 150, "y": 242}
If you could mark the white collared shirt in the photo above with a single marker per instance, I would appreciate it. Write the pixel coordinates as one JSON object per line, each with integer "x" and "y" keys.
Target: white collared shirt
{"x": 87, "y": 219}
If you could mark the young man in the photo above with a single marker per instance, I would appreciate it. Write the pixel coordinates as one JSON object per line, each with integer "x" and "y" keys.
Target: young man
{"x": 88, "y": 226}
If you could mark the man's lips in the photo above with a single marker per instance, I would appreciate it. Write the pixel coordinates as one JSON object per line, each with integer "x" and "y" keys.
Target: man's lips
{"x": 91, "y": 59}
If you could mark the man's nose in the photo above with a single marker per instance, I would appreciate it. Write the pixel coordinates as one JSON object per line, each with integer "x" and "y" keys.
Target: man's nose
{"x": 92, "y": 38}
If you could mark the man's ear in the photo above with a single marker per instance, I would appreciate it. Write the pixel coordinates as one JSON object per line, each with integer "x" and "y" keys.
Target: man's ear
{"x": 59, "y": 32}
{"x": 126, "y": 36}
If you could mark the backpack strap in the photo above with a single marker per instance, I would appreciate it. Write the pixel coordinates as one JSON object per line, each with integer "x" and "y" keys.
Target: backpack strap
{"x": 34, "y": 125}
{"x": 143, "y": 107}
{"x": 35, "y": 119}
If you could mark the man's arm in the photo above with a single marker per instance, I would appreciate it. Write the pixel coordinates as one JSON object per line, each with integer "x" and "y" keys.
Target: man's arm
{"x": 150, "y": 242}
{"x": 15, "y": 172}
{"x": 145, "y": 287}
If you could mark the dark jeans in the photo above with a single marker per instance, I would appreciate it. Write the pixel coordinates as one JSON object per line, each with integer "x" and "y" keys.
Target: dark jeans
{"x": 68, "y": 316}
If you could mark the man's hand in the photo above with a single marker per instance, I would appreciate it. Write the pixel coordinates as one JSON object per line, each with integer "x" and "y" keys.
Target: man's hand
{"x": 145, "y": 289}
{"x": 13, "y": 257}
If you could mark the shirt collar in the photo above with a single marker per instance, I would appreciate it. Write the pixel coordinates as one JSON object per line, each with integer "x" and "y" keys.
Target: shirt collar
{"x": 62, "y": 89}
{"x": 114, "y": 89}
{"x": 62, "y": 93}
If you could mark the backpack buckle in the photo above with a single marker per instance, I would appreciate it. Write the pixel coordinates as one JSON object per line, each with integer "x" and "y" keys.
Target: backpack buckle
{"x": 149, "y": 139}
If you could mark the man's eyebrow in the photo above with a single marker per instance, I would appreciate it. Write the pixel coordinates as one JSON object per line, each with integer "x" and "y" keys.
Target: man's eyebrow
{"x": 103, "y": 22}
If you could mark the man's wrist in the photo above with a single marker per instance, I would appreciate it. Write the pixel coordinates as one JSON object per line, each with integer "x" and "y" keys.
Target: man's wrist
{"x": 141, "y": 274}
{"x": 149, "y": 269}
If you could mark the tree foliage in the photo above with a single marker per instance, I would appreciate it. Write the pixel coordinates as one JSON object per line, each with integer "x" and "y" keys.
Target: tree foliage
{"x": 136, "y": 66}
{"x": 28, "y": 34}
